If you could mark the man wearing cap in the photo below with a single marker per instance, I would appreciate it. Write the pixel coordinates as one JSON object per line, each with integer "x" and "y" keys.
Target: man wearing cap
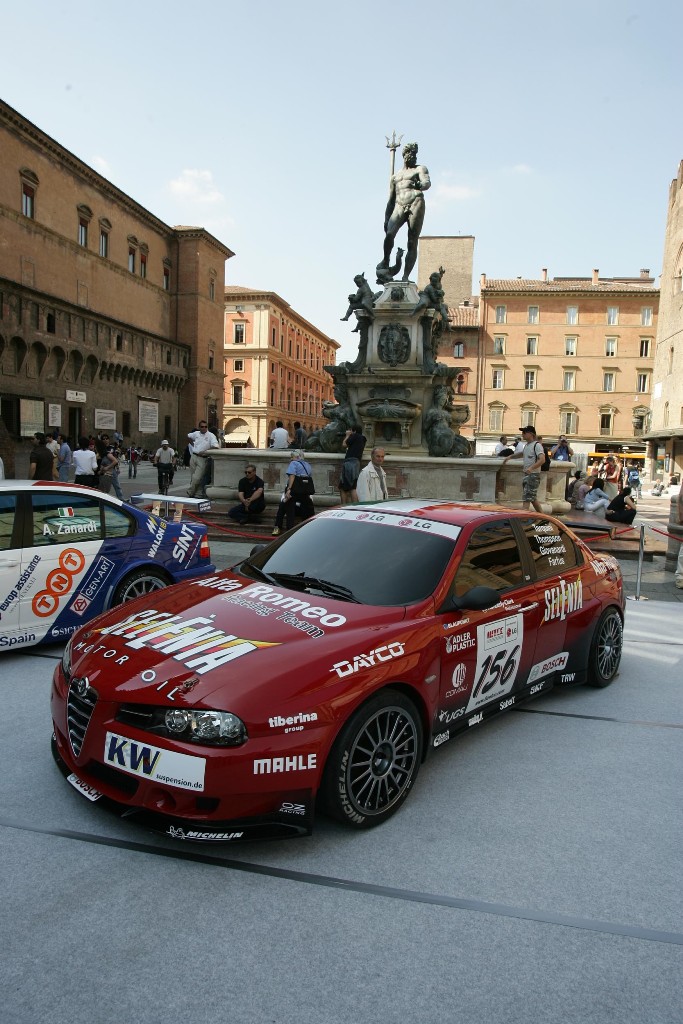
{"x": 533, "y": 457}
{"x": 163, "y": 460}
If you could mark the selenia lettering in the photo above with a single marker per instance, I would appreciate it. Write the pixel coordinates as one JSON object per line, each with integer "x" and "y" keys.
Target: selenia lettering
{"x": 562, "y": 600}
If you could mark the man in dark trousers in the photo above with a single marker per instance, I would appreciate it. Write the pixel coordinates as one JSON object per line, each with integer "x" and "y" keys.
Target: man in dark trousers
{"x": 354, "y": 442}
{"x": 250, "y": 491}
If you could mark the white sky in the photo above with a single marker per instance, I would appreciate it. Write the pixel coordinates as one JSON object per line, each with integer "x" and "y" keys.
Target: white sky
{"x": 551, "y": 131}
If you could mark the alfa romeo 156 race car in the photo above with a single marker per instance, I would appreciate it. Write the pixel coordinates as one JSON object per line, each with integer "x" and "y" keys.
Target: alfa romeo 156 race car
{"x": 68, "y": 552}
{"x": 323, "y": 669}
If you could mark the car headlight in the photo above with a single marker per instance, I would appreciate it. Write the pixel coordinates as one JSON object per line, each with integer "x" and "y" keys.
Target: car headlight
{"x": 219, "y": 728}
{"x": 66, "y": 660}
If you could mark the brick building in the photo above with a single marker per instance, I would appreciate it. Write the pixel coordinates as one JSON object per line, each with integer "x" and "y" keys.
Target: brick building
{"x": 665, "y": 433}
{"x": 455, "y": 253}
{"x": 274, "y": 367}
{"x": 109, "y": 318}
{"x": 567, "y": 355}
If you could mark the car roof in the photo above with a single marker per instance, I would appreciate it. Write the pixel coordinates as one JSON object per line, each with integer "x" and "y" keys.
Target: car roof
{"x": 56, "y": 485}
{"x": 443, "y": 511}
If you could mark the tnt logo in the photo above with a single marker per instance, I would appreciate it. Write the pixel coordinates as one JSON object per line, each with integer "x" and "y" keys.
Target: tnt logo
{"x": 58, "y": 583}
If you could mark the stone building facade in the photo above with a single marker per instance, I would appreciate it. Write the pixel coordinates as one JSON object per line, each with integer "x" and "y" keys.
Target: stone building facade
{"x": 665, "y": 434}
{"x": 455, "y": 253}
{"x": 109, "y": 318}
{"x": 274, "y": 367}
{"x": 567, "y": 355}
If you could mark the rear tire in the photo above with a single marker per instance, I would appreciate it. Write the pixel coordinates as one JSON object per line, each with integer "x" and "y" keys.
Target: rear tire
{"x": 137, "y": 584}
{"x": 605, "y": 652}
{"x": 374, "y": 761}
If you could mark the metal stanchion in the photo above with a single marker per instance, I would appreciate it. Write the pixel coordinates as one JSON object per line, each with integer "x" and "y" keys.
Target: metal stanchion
{"x": 641, "y": 553}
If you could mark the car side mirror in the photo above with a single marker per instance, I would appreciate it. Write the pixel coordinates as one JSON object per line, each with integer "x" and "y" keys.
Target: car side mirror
{"x": 477, "y": 599}
{"x": 256, "y": 548}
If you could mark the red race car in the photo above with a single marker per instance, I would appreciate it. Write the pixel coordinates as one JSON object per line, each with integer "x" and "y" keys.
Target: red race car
{"x": 324, "y": 668}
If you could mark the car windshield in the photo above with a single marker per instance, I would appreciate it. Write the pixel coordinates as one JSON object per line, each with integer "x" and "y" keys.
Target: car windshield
{"x": 376, "y": 563}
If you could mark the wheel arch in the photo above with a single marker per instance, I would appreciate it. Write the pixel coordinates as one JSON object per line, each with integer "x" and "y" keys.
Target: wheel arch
{"x": 130, "y": 569}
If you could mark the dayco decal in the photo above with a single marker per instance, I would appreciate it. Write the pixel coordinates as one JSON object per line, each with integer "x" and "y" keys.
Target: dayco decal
{"x": 220, "y": 837}
{"x": 295, "y": 763}
{"x": 59, "y": 582}
{"x": 459, "y": 643}
{"x": 195, "y": 642}
{"x": 544, "y": 668}
{"x": 562, "y": 600}
{"x": 385, "y": 653}
{"x": 292, "y": 723}
{"x": 20, "y": 584}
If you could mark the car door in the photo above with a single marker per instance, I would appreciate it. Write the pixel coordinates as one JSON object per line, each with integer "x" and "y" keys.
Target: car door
{"x": 487, "y": 655}
{"x": 64, "y": 537}
{"x": 558, "y": 569}
{"x": 10, "y": 570}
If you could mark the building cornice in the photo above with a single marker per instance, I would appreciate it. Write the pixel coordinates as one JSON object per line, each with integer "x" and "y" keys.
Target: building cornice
{"x": 235, "y": 296}
{"x": 21, "y": 126}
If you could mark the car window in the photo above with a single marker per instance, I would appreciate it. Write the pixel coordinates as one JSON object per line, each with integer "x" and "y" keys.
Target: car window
{"x": 553, "y": 551}
{"x": 491, "y": 559}
{"x": 380, "y": 562}
{"x": 65, "y": 518}
{"x": 117, "y": 522}
{"x": 8, "y": 506}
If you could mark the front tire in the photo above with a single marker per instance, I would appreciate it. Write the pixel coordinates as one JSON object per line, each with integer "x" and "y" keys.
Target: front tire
{"x": 605, "y": 652}
{"x": 374, "y": 761}
{"x": 137, "y": 584}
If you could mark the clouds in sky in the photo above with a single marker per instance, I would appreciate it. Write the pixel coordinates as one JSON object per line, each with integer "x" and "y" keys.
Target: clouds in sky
{"x": 195, "y": 186}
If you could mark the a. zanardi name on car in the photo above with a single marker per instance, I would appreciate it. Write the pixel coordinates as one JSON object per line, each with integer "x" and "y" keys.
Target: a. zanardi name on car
{"x": 563, "y": 599}
{"x": 195, "y": 642}
{"x": 405, "y": 522}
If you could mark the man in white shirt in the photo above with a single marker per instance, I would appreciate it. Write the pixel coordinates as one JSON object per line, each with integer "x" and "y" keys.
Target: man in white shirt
{"x": 202, "y": 441}
{"x": 372, "y": 481}
{"x": 163, "y": 459}
{"x": 279, "y": 438}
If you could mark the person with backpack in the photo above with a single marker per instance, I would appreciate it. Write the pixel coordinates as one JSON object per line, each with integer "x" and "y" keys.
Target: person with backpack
{"x": 533, "y": 458}
{"x": 298, "y": 491}
{"x": 633, "y": 480}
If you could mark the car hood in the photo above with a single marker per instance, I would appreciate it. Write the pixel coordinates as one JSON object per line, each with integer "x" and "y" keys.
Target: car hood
{"x": 217, "y": 638}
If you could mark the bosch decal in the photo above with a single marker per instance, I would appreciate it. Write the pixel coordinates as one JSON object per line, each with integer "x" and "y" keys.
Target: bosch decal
{"x": 544, "y": 668}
